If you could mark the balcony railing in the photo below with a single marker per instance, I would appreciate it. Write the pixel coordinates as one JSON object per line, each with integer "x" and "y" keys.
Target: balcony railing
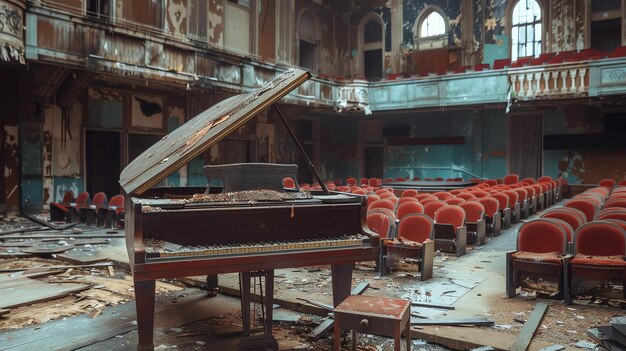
{"x": 106, "y": 50}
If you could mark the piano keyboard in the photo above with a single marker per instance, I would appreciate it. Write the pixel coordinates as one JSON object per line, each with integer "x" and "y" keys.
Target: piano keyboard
{"x": 164, "y": 249}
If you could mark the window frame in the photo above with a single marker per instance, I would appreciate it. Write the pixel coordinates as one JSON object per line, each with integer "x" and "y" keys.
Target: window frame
{"x": 542, "y": 21}
{"x": 363, "y": 46}
{"x": 316, "y": 41}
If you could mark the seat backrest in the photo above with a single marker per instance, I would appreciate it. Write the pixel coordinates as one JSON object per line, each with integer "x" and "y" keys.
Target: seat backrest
{"x": 383, "y": 203}
{"x": 99, "y": 199}
{"x": 416, "y": 227}
{"x": 542, "y": 236}
{"x": 618, "y": 222}
{"x": 454, "y": 200}
{"x": 612, "y": 213}
{"x": 350, "y": 181}
{"x": 422, "y": 197}
{"x": 513, "y": 197}
{"x": 68, "y": 196}
{"x": 587, "y": 207}
{"x": 117, "y": 201}
{"x": 407, "y": 199}
{"x": 474, "y": 211}
{"x": 600, "y": 238}
{"x": 607, "y": 183}
{"x": 528, "y": 181}
{"x": 83, "y": 198}
{"x": 289, "y": 183}
{"x": 490, "y": 182}
{"x": 381, "y": 191}
{"x": 491, "y": 205}
{"x": 432, "y": 206}
{"x": 371, "y": 198}
{"x": 442, "y": 195}
{"x": 522, "y": 194}
{"x": 450, "y": 214}
{"x": 569, "y": 231}
{"x": 622, "y": 183}
{"x": 406, "y": 208}
{"x": 503, "y": 200}
{"x": 475, "y": 180}
{"x": 571, "y": 218}
{"x": 615, "y": 203}
{"x": 466, "y": 196}
{"x": 480, "y": 193}
{"x": 511, "y": 179}
{"x": 409, "y": 193}
{"x": 380, "y": 223}
{"x": 360, "y": 191}
{"x": 364, "y": 182}
{"x": 544, "y": 179}
{"x": 342, "y": 188}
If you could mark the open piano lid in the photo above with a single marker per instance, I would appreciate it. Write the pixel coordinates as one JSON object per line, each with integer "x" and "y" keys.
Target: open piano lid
{"x": 203, "y": 131}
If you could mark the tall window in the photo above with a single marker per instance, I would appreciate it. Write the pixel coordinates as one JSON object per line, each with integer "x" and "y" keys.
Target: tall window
{"x": 433, "y": 25}
{"x": 307, "y": 40}
{"x": 526, "y": 29}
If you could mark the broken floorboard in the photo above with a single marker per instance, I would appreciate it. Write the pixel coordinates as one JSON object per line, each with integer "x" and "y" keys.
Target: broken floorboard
{"x": 530, "y": 327}
{"x": 4, "y": 311}
{"x": 83, "y": 331}
{"x": 464, "y": 338}
{"x": 20, "y": 291}
{"x": 114, "y": 252}
{"x": 479, "y": 321}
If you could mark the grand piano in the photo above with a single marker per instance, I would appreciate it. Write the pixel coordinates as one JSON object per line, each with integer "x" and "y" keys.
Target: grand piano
{"x": 247, "y": 224}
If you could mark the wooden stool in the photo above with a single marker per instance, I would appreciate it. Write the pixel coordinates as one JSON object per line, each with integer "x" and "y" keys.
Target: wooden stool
{"x": 373, "y": 315}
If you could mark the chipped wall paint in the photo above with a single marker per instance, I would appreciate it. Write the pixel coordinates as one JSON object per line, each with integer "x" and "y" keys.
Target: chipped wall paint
{"x": 216, "y": 22}
{"x": 562, "y": 35}
{"x": 176, "y": 17}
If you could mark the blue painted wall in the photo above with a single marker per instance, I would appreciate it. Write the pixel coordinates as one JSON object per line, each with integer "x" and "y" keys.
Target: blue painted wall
{"x": 339, "y": 148}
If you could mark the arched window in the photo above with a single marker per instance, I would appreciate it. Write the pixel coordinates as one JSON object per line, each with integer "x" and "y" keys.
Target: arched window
{"x": 526, "y": 29}
{"x": 308, "y": 38}
{"x": 371, "y": 44}
{"x": 432, "y": 25}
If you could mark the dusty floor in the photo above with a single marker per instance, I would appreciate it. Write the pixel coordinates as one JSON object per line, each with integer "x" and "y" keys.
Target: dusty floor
{"x": 187, "y": 320}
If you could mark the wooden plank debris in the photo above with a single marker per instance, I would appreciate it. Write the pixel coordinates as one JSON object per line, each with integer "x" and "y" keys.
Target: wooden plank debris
{"x": 52, "y": 225}
{"x": 455, "y": 321}
{"x": 23, "y": 291}
{"x": 432, "y": 305}
{"x": 47, "y": 268}
{"x": 530, "y": 327}
{"x": 4, "y": 311}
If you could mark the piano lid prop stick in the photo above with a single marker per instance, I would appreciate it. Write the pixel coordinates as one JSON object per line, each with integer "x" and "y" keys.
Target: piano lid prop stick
{"x": 306, "y": 157}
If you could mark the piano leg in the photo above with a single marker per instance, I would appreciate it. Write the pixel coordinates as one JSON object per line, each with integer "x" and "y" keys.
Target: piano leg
{"x": 342, "y": 281}
{"x": 269, "y": 300}
{"x": 144, "y": 302}
{"x": 244, "y": 285}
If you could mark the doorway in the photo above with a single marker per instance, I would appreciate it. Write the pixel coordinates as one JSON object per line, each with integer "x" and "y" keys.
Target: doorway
{"x": 373, "y": 164}
{"x": 525, "y": 156}
{"x": 102, "y": 161}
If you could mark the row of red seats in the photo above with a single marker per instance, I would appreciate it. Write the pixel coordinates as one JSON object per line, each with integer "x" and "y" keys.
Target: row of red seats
{"x": 595, "y": 258}
{"x": 97, "y": 211}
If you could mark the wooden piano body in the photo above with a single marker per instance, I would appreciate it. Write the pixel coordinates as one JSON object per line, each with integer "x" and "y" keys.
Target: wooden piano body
{"x": 169, "y": 235}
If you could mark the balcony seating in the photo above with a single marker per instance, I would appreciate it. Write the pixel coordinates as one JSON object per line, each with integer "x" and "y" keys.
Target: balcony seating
{"x": 414, "y": 242}
{"x": 522, "y": 61}
{"x": 540, "y": 261}
{"x": 450, "y": 231}
{"x": 599, "y": 250}
{"x": 501, "y": 63}
{"x": 481, "y": 67}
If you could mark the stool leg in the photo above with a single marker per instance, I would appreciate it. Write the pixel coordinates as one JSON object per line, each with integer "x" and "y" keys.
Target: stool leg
{"x": 337, "y": 335}
{"x": 353, "y": 340}
{"x": 407, "y": 334}
{"x": 397, "y": 335}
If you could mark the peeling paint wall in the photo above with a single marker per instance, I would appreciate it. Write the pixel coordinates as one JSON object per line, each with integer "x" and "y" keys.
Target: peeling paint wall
{"x": 216, "y": 22}
{"x": 562, "y": 34}
{"x": 10, "y": 100}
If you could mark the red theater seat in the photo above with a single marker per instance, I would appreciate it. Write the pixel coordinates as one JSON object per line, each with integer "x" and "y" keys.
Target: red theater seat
{"x": 450, "y": 231}
{"x": 415, "y": 232}
{"x": 541, "y": 247}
